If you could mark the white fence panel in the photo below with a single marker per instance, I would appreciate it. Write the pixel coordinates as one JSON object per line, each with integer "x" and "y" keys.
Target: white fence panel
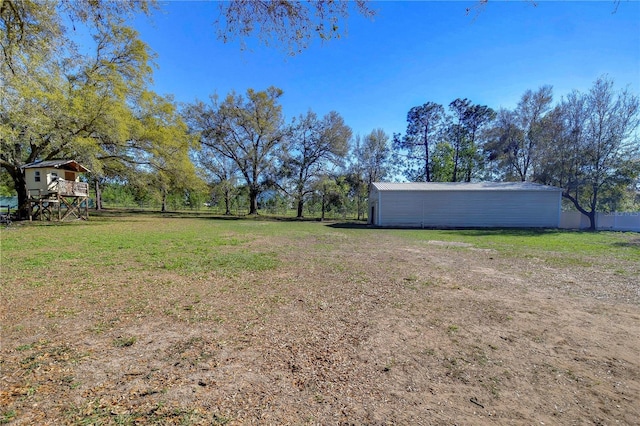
{"x": 573, "y": 220}
{"x": 619, "y": 221}
{"x": 615, "y": 221}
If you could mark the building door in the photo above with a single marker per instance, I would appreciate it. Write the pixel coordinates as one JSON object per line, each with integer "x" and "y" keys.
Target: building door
{"x": 69, "y": 176}
{"x": 373, "y": 215}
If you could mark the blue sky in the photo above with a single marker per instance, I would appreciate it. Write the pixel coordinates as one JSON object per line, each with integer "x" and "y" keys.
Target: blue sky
{"x": 411, "y": 53}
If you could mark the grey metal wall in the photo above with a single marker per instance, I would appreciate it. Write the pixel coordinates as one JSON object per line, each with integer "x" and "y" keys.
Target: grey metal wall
{"x": 469, "y": 208}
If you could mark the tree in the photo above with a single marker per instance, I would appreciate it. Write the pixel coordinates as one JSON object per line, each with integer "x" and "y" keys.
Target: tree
{"x": 424, "y": 128}
{"x": 370, "y": 164}
{"x": 332, "y": 192}
{"x": 246, "y": 131}
{"x": 468, "y": 120}
{"x": 596, "y": 156}
{"x": 162, "y": 145}
{"x": 518, "y": 136}
{"x": 458, "y": 133}
{"x": 374, "y": 155}
{"x": 222, "y": 174}
{"x": 293, "y": 24}
{"x": 313, "y": 144}
{"x": 91, "y": 106}
{"x": 32, "y": 29}
{"x": 442, "y": 162}
{"x": 370, "y": 160}
{"x": 63, "y": 103}
{"x": 288, "y": 23}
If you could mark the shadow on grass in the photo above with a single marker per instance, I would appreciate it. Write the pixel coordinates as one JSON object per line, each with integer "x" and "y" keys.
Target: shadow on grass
{"x": 350, "y": 225}
{"x": 207, "y": 215}
{"x": 471, "y": 232}
{"x": 633, "y": 242}
{"x": 511, "y": 232}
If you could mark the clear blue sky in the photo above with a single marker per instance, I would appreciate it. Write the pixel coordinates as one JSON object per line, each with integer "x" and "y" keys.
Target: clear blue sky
{"x": 411, "y": 53}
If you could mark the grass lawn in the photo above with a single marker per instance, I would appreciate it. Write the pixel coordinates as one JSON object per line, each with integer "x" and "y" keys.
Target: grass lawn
{"x": 183, "y": 319}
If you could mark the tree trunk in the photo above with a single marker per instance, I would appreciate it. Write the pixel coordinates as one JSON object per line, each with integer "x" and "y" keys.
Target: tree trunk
{"x": 20, "y": 185}
{"x": 300, "y": 208}
{"x": 590, "y": 214}
{"x": 456, "y": 160}
{"x": 253, "y": 200}
{"x": 164, "y": 201}
{"x": 592, "y": 220}
{"x": 23, "y": 200}
{"x": 98, "y": 195}
{"x": 427, "y": 174}
{"x": 594, "y": 206}
{"x": 227, "y": 203}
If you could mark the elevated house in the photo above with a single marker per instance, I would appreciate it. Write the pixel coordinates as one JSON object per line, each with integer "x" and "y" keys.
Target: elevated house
{"x": 54, "y": 186}
{"x": 465, "y": 205}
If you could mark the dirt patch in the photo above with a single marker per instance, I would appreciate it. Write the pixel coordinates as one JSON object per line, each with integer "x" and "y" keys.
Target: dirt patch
{"x": 343, "y": 331}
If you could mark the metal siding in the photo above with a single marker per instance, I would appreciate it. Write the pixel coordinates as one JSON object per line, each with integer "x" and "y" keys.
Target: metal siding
{"x": 463, "y": 186}
{"x": 373, "y": 202}
{"x": 469, "y": 208}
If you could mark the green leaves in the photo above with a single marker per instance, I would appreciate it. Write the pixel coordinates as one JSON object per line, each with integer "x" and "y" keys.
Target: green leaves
{"x": 91, "y": 106}
{"x": 246, "y": 130}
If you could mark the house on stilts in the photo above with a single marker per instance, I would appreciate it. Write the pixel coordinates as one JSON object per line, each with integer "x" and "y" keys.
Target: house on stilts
{"x": 54, "y": 190}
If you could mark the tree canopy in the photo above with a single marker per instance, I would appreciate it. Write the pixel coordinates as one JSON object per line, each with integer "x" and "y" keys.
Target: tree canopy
{"x": 592, "y": 150}
{"x": 92, "y": 106}
{"x": 313, "y": 145}
{"x": 246, "y": 130}
{"x": 290, "y": 24}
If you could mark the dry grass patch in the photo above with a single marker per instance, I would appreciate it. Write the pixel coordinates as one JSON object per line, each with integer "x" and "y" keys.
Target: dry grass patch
{"x": 151, "y": 320}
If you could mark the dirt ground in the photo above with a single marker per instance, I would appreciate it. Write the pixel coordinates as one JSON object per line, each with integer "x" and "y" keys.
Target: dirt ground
{"x": 341, "y": 332}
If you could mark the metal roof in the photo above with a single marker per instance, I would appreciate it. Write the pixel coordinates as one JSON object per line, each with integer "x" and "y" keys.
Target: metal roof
{"x": 463, "y": 186}
{"x": 58, "y": 164}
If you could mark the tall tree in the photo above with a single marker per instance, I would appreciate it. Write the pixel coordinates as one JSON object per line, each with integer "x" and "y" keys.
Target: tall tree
{"x": 161, "y": 144}
{"x": 596, "y": 155}
{"x": 247, "y": 130}
{"x": 331, "y": 191}
{"x": 61, "y": 103}
{"x": 458, "y": 134}
{"x": 313, "y": 145}
{"x": 476, "y": 119}
{"x": 463, "y": 132}
{"x": 518, "y": 137}
{"x": 374, "y": 156}
{"x": 370, "y": 158}
{"x": 32, "y": 28}
{"x": 221, "y": 173}
{"x": 425, "y": 125}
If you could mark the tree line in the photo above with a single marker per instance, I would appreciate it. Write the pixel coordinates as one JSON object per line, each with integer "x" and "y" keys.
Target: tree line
{"x": 587, "y": 144}
{"x": 95, "y": 106}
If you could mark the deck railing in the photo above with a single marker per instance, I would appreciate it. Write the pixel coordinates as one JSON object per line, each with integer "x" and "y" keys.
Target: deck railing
{"x": 69, "y": 188}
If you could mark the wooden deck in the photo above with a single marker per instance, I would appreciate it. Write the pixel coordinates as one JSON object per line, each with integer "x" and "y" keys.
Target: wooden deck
{"x": 69, "y": 188}
{"x": 73, "y": 196}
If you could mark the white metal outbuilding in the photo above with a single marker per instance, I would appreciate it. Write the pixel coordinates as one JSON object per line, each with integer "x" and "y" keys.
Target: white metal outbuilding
{"x": 465, "y": 205}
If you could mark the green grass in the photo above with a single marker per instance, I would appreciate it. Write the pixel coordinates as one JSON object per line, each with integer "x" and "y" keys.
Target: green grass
{"x": 572, "y": 245}
{"x": 229, "y": 282}
{"x": 124, "y": 342}
{"x": 189, "y": 244}
{"x": 185, "y": 246}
